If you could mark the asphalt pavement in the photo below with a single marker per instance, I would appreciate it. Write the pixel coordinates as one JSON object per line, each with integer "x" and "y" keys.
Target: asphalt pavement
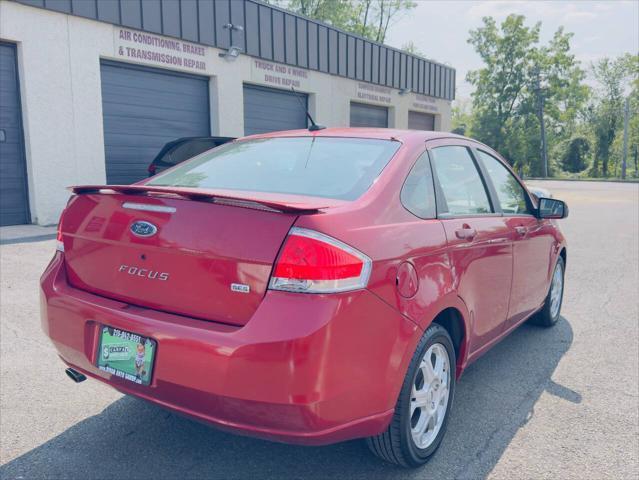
{"x": 557, "y": 403}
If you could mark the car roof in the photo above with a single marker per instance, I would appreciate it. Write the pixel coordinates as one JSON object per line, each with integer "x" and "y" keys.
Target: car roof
{"x": 377, "y": 133}
{"x": 188, "y": 139}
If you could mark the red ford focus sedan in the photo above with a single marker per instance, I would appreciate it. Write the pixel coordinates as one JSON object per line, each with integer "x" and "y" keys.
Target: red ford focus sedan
{"x": 306, "y": 287}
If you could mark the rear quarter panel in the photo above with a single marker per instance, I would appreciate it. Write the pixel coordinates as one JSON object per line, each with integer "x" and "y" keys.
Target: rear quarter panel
{"x": 378, "y": 225}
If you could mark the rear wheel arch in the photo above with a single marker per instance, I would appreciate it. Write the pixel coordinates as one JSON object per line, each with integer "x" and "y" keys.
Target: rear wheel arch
{"x": 452, "y": 315}
{"x": 559, "y": 252}
{"x": 452, "y": 321}
{"x": 397, "y": 443}
{"x": 563, "y": 254}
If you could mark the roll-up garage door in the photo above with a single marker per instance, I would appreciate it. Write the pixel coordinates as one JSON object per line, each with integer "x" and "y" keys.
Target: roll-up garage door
{"x": 363, "y": 115}
{"x": 270, "y": 110}
{"x": 14, "y": 204}
{"x": 143, "y": 109}
{"x": 421, "y": 121}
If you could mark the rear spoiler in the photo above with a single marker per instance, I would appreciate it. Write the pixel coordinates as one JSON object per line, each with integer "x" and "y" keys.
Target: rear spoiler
{"x": 302, "y": 205}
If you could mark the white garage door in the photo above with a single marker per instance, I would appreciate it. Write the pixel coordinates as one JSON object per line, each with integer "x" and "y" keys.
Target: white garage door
{"x": 271, "y": 110}
{"x": 421, "y": 121}
{"x": 143, "y": 109}
{"x": 363, "y": 115}
{"x": 14, "y": 205}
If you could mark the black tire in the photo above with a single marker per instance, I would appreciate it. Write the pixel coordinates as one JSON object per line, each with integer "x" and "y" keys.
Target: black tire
{"x": 395, "y": 444}
{"x": 544, "y": 317}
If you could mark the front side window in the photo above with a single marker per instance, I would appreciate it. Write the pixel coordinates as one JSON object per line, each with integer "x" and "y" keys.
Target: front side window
{"x": 418, "y": 195}
{"x": 462, "y": 187}
{"x": 510, "y": 193}
{"x": 339, "y": 168}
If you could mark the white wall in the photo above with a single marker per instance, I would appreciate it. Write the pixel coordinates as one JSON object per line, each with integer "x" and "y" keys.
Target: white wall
{"x": 59, "y": 67}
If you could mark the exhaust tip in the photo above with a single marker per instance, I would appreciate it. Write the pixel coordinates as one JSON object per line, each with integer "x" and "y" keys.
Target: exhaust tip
{"x": 74, "y": 375}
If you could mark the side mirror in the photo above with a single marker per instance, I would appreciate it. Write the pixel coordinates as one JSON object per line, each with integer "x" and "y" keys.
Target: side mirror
{"x": 552, "y": 208}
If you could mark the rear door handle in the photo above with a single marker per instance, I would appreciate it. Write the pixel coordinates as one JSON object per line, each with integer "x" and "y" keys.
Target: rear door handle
{"x": 466, "y": 233}
{"x": 521, "y": 231}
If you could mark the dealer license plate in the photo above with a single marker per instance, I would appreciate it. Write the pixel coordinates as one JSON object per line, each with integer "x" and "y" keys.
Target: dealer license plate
{"x": 126, "y": 355}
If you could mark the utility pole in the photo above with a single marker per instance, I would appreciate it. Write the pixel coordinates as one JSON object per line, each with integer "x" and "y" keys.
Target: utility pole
{"x": 626, "y": 114}
{"x": 542, "y": 125}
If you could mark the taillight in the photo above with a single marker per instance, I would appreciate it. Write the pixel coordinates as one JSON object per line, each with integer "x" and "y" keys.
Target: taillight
{"x": 59, "y": 244}
{"x": 312, "y": 262}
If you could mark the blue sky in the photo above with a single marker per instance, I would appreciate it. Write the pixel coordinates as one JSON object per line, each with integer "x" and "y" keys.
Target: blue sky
{"x": 440, "y": 28}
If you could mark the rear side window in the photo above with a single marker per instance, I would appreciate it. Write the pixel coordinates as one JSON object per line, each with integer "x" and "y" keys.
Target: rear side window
{"x": 418, "y": 195}
{"x": 510, "y": 193}
{"x": 339, "y": 168}
{"x": 462, "y": 187}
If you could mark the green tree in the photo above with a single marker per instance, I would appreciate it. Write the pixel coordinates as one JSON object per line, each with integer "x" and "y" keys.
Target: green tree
{"x": 564, "y": 92}
{"x": 557, "y": 80}
{"x": 633, "y": 124}
{"x": 607, "y": 111}
{"x": 626, "y": 68}
{"x": 500, "y": 85}
{"x": 517, "y": 72}
{"x": 368, "y": 18}
{"x": 411, "y": 48}
{"x": 385, "y": 12}
{"x": 339, "y": 13}
{"x": 574, "y": 153}
{"x": 461, "y": 117}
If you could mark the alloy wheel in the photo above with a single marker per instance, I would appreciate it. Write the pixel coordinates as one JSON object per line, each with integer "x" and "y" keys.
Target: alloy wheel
{"x": 556, "y": 290}
{"x": 430, "y": 395}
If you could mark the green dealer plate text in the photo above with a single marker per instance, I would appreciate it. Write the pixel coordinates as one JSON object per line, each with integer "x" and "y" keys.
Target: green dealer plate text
{"x": 126, "y": 355}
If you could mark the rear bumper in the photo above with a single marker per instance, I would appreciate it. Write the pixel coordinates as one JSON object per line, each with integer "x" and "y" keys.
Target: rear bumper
{"x": 309, "y": 369}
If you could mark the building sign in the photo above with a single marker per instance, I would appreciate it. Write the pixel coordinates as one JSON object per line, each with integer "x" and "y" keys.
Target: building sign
{"x": 422, "y": 102}
{"x": 373, "y": 93}
{"x": 283, "y": 76}
{"x": 153, "y": 49}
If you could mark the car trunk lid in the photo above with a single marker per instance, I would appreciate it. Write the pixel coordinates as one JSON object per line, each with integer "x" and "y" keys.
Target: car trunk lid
{"x": 205, "y": 255}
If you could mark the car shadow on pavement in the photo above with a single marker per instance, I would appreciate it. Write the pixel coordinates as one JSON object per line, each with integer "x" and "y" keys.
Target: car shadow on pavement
{"x": 134, "y": 439}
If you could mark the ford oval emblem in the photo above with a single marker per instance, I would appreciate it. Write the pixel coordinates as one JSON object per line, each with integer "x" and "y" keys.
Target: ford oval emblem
{"x": 143, "y": 229}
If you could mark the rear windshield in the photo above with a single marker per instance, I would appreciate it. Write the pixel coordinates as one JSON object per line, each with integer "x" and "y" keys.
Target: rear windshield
{"x": 339, "y": 168}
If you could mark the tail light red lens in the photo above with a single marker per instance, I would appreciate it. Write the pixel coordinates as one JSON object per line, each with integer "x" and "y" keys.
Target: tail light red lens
{"x": 59, "y": 244}
{"x": 312, "y": 262}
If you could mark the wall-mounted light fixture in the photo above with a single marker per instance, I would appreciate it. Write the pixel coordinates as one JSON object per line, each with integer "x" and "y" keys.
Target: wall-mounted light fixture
{"x": 236, "y": 28}
{"x": 232, "y": 53}
{"x": 404, "y": 91}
